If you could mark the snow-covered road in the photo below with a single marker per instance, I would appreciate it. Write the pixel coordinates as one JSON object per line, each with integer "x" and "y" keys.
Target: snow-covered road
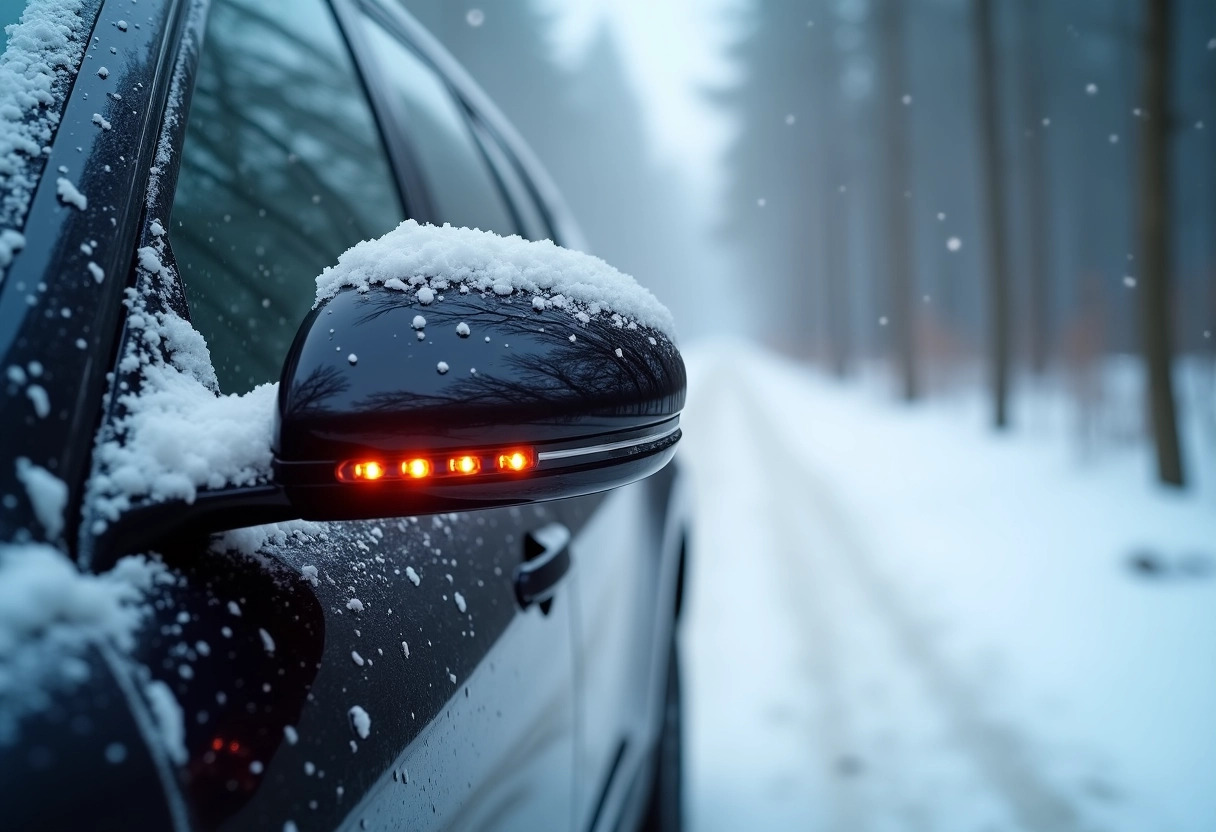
{"x": 898, "y": 623}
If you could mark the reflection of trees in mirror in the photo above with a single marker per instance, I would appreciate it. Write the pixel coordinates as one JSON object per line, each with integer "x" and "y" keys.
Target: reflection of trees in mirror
{"x": 282, "y": 171}
{"x": 308, "y": 397}
{"x": 558, "y": 379}
{"x": 274, "y": 648}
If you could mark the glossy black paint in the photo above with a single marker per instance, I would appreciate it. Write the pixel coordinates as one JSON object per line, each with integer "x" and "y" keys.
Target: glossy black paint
{"x": 359, "y": 383}
{"x": 52, "y": 310}
{"x": 515, "y": 742}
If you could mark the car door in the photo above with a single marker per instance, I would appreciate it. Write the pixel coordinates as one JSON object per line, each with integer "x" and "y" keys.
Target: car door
{"x": 624, "y": 561}
{"x": 374, "y": 674}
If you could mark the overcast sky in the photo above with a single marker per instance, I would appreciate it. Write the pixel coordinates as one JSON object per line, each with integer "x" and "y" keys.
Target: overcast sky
{"x": 675, "y": 49}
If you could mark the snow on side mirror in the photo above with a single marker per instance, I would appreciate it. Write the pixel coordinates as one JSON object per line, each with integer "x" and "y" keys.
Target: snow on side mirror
{"x": 450, "y": 369}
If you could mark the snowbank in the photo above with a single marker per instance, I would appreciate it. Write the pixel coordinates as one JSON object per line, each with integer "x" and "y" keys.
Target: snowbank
{"x": 897, "y": 619}
{"x": 36, "y": 70}
{"x": 427, "y": 260}
{"x": 50, "y": 613}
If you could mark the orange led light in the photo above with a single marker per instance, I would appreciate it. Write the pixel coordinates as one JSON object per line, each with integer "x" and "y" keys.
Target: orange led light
{"x": 464, "y": 464}
{"x": 416, "y": 468}
{"x": 368, "y": 470}
{"x": 514, "y": 461}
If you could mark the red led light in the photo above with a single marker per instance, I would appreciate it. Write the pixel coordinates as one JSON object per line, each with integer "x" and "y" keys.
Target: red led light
{"x": 464, "y": 464}
{"x": 515, "y": 460}
{"x": 369, "y": 470}
{"x": 416, "y": 468}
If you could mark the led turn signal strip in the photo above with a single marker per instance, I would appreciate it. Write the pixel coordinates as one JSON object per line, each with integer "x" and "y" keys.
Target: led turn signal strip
{"x": 508, "y": 460}
{"x": 472, "y": 463}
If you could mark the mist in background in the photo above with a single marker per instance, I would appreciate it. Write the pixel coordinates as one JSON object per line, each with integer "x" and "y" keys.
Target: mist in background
{"x": 952, "y": 188}
{"x": 944, "y": 273}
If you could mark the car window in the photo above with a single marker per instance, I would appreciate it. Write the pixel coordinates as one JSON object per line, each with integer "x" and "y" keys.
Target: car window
{"x": 527, "y": 212}
{"x": 283, "y": 169}
{"x": 10, "y": 13}
{"x": 461, "y": 185}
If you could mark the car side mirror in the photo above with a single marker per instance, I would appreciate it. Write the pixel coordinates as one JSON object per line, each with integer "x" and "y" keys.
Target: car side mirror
{"x": 389, "y": 406}
{"x": 449, "y": 369}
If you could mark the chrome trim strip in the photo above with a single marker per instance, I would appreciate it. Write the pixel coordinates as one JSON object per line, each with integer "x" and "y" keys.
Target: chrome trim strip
{"x": 566, "y": 453}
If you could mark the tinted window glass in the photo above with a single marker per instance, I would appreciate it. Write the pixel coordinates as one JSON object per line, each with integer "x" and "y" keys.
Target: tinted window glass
{"x": 527, "y": 213}
{"x": 460, "y": 183}
{"x": 10, "y": 13}
{"x": 283, "y": 170}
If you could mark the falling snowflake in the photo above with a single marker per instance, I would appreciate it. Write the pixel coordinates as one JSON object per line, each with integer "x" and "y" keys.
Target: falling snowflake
{"x": 475, "y": 17}
{"x": 954, "y": 244}
{"x": 1091, "y": 89}
{"x": 790, "y": 119}
{"x": 907, "y": 99}
{"x": 883, "y": 321}
{"x": 761, "y": 202}
{"x": 1129, "y": 281}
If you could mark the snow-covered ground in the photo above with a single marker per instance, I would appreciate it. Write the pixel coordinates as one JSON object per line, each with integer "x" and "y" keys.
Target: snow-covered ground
{"x": 898, "y": 621}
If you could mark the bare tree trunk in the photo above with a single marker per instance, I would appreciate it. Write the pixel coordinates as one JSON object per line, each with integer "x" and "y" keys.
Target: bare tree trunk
{"x": 1154, "y": 239}
{"x": 1037, "y": 205}
{"x": 833, "y": 164}
{"x": 994, "y": 185}
{"x": 898, "y": 175}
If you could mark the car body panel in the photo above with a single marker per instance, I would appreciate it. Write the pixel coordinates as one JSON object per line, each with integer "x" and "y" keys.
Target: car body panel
{"x": 503, "y": 746}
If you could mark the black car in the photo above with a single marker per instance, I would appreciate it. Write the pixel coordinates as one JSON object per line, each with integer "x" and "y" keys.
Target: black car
{"x": 481, "y": 638}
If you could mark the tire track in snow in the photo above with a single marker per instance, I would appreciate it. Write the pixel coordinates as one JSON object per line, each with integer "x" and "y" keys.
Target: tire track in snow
{"x": 996, "y": 749}
{"x": 819, "y": 643}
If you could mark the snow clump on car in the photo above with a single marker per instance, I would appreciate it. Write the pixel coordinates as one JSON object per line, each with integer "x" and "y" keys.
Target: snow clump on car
{"x": 427, "y": 260}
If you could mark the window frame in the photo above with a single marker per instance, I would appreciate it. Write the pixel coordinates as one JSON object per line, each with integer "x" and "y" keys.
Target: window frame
{"x": 396, "y": 117}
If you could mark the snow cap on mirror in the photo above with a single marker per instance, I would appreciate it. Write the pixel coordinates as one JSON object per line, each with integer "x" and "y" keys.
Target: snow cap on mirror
{"x": 426, "y": 260}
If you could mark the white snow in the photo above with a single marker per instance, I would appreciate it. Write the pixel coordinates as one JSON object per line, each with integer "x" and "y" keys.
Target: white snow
{"x": 68, "y": 194}
{"x": 898, "y": 620}
{"x": 354, "y": 605}
{"x": 11, "y": 242}
{"x": 100, "y": 122}
{"x": 352, "y": 358}
{"x": 36, "y": 69}
{"x": 442, "y": 367}
{"x": 460, "y": 602}
{"x": 405, "y": 648}
{"x": 412, "y": 575}
{"x": 97, "y": 271}
{"x": 290, "y": 734}
{"x": 356, "y": 658}
{"x": 462, "y": 329}
{"x": 267, "y": 640}
{"x": 180, "y": 436}
{"x": 47, "y": 493}
{"x": 360, "y": 721}
{"x": 309, "y": 573}
{"x": 50, "y": 613}
{"x": 419, "y": 322}
{"x": 170, "y": 721}
{"x": 39, "y": 398}
{"x": 437, "y": 258}
{"x": 252, "y": 539}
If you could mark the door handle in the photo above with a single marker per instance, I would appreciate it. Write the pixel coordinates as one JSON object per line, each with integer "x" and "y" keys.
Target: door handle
{"x": 546, "y": 562}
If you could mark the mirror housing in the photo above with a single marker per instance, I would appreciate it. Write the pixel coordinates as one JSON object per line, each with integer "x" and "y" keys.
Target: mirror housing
{"x": 388, "y": 406}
